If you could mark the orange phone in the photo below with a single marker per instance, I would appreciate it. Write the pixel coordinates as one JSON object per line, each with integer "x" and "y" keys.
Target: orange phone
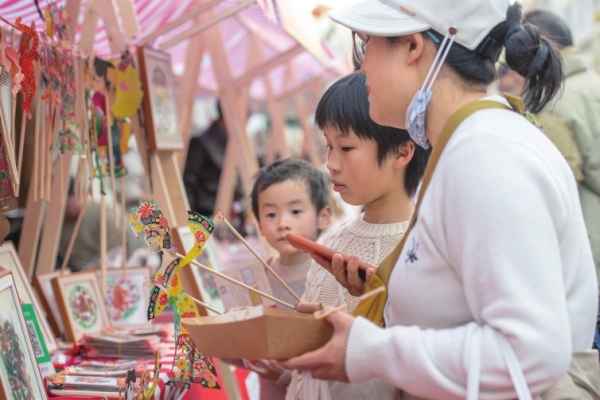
{"x": 310, "y": 247}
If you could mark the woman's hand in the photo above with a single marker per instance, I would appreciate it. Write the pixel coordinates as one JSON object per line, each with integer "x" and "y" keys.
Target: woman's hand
{"x": 328, "y": 362}
{"x": 267, "y": 369}
{"x": 346, "y": 274}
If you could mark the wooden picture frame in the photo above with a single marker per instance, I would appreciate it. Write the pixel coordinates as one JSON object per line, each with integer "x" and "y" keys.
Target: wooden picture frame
{"x": 127, "y": 298}
{"x": 9, "y": 260}
{"x": 42, "y": 283}
{"x": 24, "y": 375}
{"x": 81, "y": 304}
{"x": 160, "y": 100}
{"x": 202, "y": 285}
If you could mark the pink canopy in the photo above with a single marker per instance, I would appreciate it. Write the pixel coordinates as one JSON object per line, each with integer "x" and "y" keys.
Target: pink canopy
{"x": 235, "y": 32}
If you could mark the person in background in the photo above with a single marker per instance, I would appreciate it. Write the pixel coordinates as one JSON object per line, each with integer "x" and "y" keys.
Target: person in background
{"x": 289, "y": 196}
{"x": 572, "y": 121}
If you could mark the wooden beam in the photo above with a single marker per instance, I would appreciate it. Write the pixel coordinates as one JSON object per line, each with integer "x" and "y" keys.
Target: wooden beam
{"x": 262, "y": 69}
{"x": 208, "y": 23}
{"x": 112, "y": 24}
{"x": 88, "y": 29}
{"x": 169, "y": 26}
{"x": 129, "y": 19}
{"x": 72, "y": 8}
{"x": 299, "y": 89}
{"x": 188, "y": 88}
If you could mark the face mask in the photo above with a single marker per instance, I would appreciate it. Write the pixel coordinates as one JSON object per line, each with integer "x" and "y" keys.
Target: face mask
{"x": 415, "y": 113}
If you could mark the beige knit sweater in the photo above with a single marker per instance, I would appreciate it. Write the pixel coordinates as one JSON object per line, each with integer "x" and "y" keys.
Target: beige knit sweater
{"x": 372, "y": 243}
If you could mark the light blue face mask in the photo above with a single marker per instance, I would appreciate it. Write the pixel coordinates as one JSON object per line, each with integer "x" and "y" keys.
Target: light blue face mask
{"x": 415, "y": 113}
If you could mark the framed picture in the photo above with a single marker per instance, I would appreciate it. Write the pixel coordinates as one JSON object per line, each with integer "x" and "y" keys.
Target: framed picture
{"x": 9, "y": 260}
{"x": 126, "y": 298}
{"x": 160, "y": 100}
{"x": 81, "y": 304}
{"x": 252, "y": 273}
{"x": 203, "y": 283}
{"x": 20, "y": 376}
{"x": 43, "y": 285}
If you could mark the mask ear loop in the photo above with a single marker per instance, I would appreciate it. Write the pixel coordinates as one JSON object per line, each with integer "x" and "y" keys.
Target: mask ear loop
{"x": 439, "y": 59}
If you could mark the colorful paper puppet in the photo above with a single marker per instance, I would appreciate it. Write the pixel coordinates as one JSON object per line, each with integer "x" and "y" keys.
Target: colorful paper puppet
{"x": 189, "y": 365}
{"x": 202, "y": 227}
{"x": 28, "y": 53}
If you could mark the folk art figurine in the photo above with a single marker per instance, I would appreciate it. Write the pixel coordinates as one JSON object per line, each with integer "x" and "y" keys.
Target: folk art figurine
{"x": 189, "y": 366}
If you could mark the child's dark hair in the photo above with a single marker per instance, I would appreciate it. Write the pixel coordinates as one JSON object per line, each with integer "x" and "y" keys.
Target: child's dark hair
{"x": 295, "y": 170}
{"x": 345, "y": 106}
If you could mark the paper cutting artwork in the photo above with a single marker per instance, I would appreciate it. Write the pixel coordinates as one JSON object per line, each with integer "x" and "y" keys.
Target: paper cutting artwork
{"x": 124, "y": 298}
{"x": 189, "y": 365}
{"x": 16, "y": 362}
{"x": 83, "y": 307}
{"x": 201, "y": 227}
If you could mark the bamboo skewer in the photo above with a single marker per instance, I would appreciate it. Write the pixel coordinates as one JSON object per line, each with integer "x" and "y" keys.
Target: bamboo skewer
{"x": 36, "y": 146}
{"x": 227, "y": 278}
{"x": 74, "y": 234}
{"x": 203, "y": 304}
{"x": 123, "y": 227}
{"x": 21, "y": 143}
{"x": 221, "y": 217}
{"x": 111, "y": 165}
{"x": 103, "y": 242}
{"x": 365, "y": 296}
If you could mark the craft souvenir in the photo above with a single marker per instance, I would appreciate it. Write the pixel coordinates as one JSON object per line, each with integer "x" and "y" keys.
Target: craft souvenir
{"x": 28, "y": 53}
{"x": 189, "y": 365}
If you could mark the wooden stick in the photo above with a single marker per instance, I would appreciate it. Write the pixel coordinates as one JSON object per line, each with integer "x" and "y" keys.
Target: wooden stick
{"x": 123, "y": 228}
{"x": 221, "y": 217}
{"x": 203, "y": 304}
{"x": 365, "y": 296}
{"x": 22, "y": 143}
{"x": 230, "y": 279}
{"x": 43, "y": 157}
{"x": 74, "y": 234}
{"x": 51, "y": 139}
{"x": 206, "y": 305}
{"x": 110, "y": 159}
{"x": 36, "y": 146}
{"x": 103, "y": 242}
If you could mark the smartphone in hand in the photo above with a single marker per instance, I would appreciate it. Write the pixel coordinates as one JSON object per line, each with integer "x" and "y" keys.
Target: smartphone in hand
{"x": 310, "y": 247}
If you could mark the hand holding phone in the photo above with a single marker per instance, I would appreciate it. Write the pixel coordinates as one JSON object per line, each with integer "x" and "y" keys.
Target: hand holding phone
{"x": 310, "y": 247}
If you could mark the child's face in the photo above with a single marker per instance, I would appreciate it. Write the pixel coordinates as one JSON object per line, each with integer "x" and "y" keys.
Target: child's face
{"x": 354, "y": 170}
{"x": 283, "y": 208}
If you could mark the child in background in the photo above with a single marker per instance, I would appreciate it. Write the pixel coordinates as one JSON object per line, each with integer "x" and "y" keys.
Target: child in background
{"x": 289, "y": 196}
{"x": 370, "y": 165}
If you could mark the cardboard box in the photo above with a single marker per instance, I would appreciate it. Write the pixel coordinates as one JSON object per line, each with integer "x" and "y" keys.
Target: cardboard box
{"x": 258, "y": 332}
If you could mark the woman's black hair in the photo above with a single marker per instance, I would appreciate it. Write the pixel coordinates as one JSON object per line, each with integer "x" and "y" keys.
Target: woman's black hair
{"x": 526, "y": 51}
{"x": 345, "y": 107}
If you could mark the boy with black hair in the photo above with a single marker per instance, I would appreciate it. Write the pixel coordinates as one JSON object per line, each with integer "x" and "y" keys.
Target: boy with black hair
{"x": 374, "y": 166}
{"x": 289, "y": 196}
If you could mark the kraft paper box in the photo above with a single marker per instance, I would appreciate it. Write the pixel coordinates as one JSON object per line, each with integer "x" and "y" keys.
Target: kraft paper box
{"x": 258, "y": 332}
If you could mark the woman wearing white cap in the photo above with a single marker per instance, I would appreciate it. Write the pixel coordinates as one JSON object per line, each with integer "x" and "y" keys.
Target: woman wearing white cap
{"x": 493, "y": 294}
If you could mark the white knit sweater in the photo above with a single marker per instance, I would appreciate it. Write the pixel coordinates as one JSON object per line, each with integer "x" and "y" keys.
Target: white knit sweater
{"x": 499, "y": 249}
{"x": 372, "y": 243}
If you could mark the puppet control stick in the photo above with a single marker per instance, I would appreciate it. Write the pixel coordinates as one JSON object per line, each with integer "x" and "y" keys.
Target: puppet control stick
{"x": 221, "y": 217}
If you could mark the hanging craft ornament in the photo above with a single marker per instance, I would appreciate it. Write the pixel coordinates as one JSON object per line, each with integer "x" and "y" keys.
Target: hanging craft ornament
{"x": 105, "y": 83}
{"x": 189, "y": 365}
{"x": 28, "y": 53}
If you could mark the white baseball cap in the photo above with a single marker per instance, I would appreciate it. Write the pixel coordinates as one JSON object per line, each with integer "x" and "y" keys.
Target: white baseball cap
{"x": 473, "y": 19}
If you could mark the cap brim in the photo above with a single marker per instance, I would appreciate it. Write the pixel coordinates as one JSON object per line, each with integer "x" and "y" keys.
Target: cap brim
{"x": 378, "y": 19}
